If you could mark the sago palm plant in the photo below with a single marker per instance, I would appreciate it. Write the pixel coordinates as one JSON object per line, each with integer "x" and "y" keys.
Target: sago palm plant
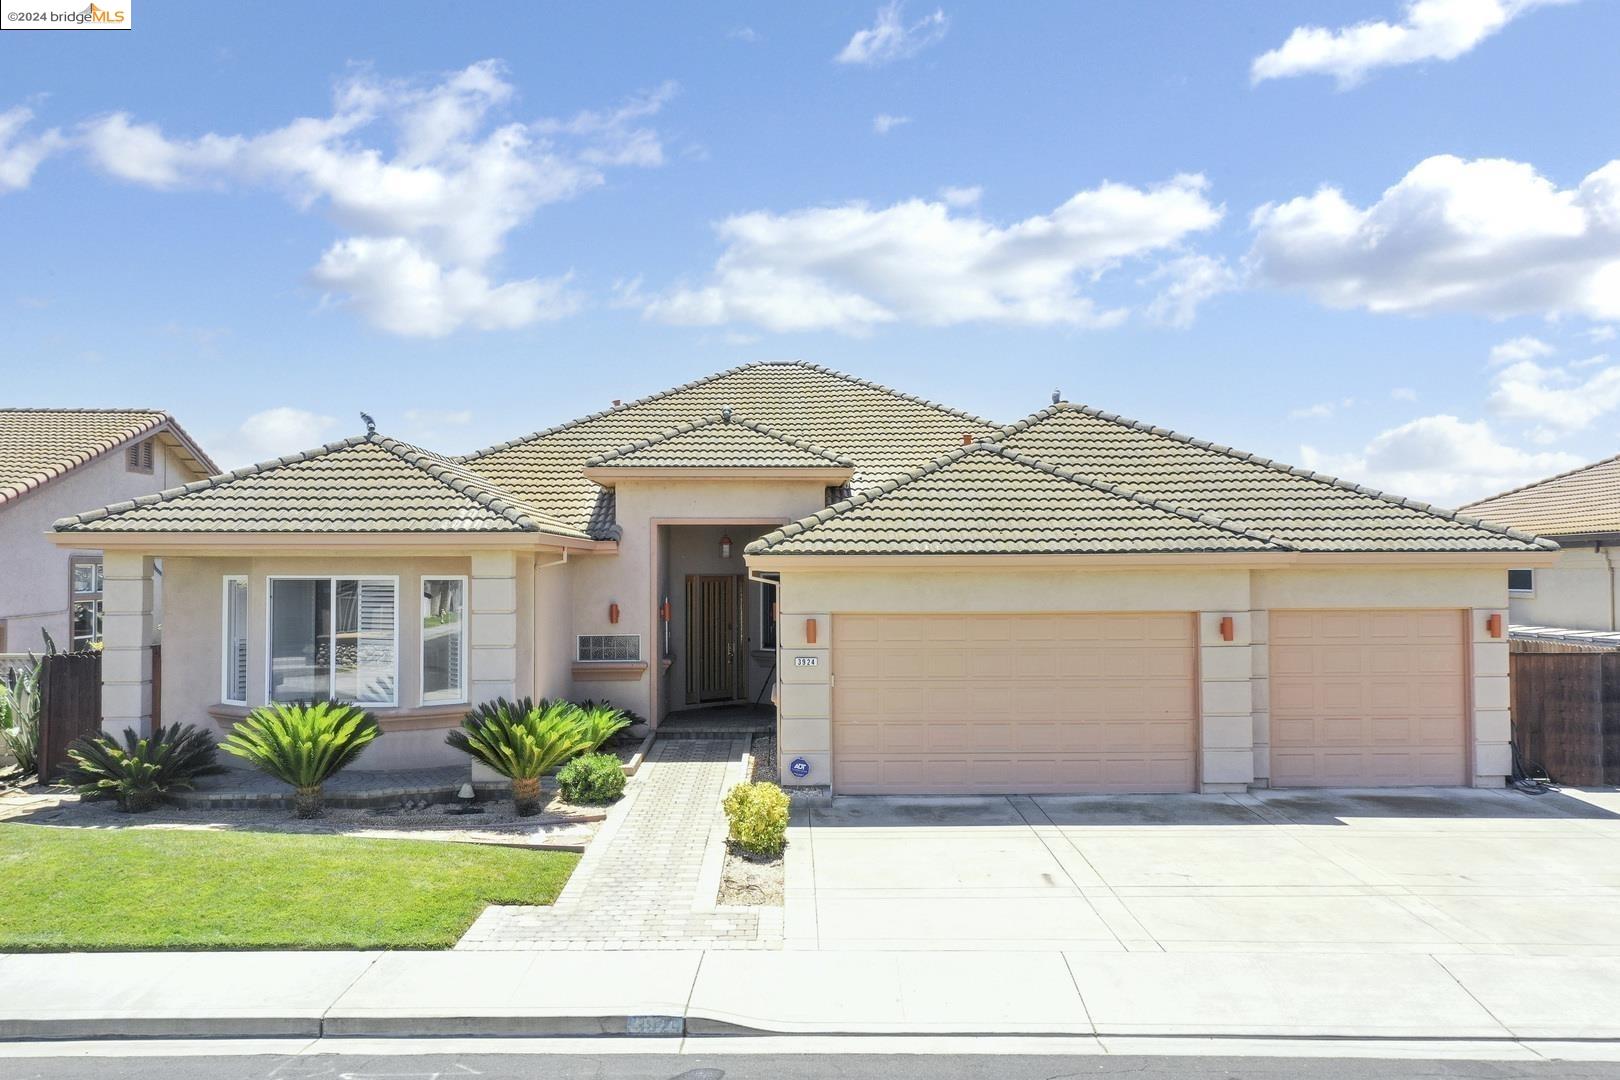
{"x": 600, "y": 721}
{"x": 302, "y": 744}
{"x": 521, "y": 741}
{"x": 141, "y": 771}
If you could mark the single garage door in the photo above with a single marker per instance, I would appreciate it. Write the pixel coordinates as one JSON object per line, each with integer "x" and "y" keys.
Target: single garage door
{"x": 1003, "y": 704}
{"x": 1367, "y": 698}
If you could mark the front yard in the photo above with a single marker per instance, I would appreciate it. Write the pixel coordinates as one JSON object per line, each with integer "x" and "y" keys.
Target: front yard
{"x": 79, "y": 890}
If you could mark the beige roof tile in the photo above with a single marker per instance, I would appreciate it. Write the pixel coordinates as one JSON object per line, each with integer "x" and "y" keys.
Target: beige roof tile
{"x": 38, "y": 445}
{"x": 1306, "y": 510}
{"x": 723, "y": 440}
{"x": 1583, "y": 502}
{"x": 369, "y": 483}
{"x": 984, "y": 499}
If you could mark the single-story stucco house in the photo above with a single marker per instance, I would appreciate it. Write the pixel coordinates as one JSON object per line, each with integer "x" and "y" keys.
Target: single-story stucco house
{"x": 1579, "y": 509}
{"x": 1075, "y": 602}
{"x": 57, "y": 461}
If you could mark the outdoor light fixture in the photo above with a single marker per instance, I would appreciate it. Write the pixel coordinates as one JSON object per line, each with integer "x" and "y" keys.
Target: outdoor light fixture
{"x": 725, "y": 546}
{"x": 613, "y": 614}
{"x": 1493, "y": 625}
{"x": 466, "y": 794}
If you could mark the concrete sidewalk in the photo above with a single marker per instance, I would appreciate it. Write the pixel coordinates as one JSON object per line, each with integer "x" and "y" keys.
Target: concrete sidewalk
{"x": 1259, "y": 995}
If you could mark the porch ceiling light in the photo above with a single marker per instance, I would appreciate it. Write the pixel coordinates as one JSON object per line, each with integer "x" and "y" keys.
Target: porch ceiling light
{"x": 725, "y": 546}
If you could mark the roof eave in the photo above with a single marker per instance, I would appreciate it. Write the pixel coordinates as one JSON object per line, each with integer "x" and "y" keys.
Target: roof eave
{"x": 606, "y": 475}
{"x": 305, "y": 543}
{"x": 1235, "y": 560}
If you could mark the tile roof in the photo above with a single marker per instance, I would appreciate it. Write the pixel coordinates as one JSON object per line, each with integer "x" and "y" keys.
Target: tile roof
{"x": 885, "y": 432}
{"x": 1306, "y": 510}
{"x": 986, "y": 499}
{"x": 723, "y": 440}
{"x": 38, "y": 445}
{"x": 369, "y": 483}
{"x": 1582, "y": 502}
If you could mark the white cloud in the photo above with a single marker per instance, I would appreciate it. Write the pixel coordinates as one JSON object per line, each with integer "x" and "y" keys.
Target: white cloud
{"x": 21, "y": 154}
{"x": 1403, "y": 393}
{"x": 428, "y": 215}
{"x": 1321, "y": 409}
{"x": 1441, "y": 459}
{"x": 853, "y": 267}
{"x": 274, "y": 433}
{"x": 883, "y": 123}
{"x": 1192, "y": 279}
{"x": 399, "y": 288}
{"x": 1519, "y": 348}
{"x": 890, "y": 39}
{"x": 1555, "y": 399}
{"x": 1429, "y": 30}
{"x": 1600, "y": 334}
{"x": 961, "y": 196}
{"x": 746, "y": 34}
{"x": 1487, "y": 236}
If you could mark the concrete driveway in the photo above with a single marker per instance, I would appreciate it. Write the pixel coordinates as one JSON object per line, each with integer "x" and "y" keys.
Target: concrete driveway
{"x": 1438, "y": 871}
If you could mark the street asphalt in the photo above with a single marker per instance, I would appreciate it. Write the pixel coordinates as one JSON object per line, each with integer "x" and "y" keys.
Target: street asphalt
{"x": 697, "y": 1066}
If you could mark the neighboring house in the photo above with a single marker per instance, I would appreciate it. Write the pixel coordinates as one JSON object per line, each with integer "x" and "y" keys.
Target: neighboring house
{"x": 55, "y": 461}
{"x": 1073, "y": 603}
{"x": 1580, "y": 510}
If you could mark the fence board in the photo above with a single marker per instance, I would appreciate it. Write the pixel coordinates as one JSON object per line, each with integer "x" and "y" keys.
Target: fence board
{"x": 69, "y": 707}
{"x": 1566, "y": 714}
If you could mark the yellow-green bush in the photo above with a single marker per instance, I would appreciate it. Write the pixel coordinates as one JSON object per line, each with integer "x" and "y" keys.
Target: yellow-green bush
{"x": 758, "y": 814}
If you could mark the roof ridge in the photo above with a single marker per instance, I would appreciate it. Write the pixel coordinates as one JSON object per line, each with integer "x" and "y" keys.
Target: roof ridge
{"x": 946, "y": 460}
{"x": 686, "y": 427}
{"x": 1047, "y": 413}
{"x": 494, "y": 499}
{"x": 555, "y": 428}
{"x": 81, "y": 409}
{"x": 1544, "y": 480}
{"x": 219, "y": 480}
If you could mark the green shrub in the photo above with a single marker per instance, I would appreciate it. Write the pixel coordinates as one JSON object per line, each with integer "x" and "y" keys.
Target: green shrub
{"x": 303, "y": 744}
{"x": 591, "y": 778}
{"x": 600, "y": 721}
{"x": 521, "y": 741}
{"x": 141, "y": 771}
{"x": 758, "y": 814}
{"x": 19, "y": 715}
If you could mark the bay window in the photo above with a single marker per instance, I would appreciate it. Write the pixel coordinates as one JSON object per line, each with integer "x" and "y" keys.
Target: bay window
{"x": 334, "y": 637}
{"x": 444, "y": 640}
{"x": 235, "y": 637}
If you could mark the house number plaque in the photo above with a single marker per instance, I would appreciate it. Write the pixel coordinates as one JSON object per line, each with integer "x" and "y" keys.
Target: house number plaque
{"x": 806, "y": 661}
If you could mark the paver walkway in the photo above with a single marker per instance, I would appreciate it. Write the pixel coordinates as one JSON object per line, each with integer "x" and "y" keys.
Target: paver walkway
{"x": 650, "y": 878}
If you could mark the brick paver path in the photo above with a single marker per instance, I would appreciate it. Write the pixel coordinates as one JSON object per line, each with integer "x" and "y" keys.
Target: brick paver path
{"x": 649, "y": 878}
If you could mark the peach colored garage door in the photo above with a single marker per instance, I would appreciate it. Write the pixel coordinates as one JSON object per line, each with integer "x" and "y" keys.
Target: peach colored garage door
{"x": 1367, "y": 698}
{"x": 1002, "y": 704}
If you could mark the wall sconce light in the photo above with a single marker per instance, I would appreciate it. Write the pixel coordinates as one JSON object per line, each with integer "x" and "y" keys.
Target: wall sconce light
{"x": 1493, "y": 625}
{"x": 665, "y": 611}
{"x": 1226, "y": 628}
{"x": 613, "y": 614}
{"x": 809, "y": 631}
{"x": 725, "y": 546}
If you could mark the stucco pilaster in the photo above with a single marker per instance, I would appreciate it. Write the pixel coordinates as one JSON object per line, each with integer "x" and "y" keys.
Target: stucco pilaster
{"x": 1225, "y": 701}
{"x": 1490, "y": 700}
{"x": 129, "y": 631}
{"x": 1260, "y": 692}
{"x": 804, "y": 697}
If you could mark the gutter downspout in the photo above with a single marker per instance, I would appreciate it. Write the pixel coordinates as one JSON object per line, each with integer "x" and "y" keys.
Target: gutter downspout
{"x": 1608, "y": 560}
{"x": 534, "y": 629}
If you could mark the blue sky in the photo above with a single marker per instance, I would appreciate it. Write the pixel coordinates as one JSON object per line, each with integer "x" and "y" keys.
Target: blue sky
{"x": 1376, "y": 239}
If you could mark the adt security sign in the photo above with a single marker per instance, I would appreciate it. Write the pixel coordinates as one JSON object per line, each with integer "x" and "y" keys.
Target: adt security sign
{"x": 799, "y": 767}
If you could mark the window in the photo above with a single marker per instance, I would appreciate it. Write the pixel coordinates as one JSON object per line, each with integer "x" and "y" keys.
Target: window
{"x": 610, "y": 648}
{"x": 766, "y": 638}
{"x": 86, "y": 609}
{"x": 138, "y": 457}
{"x": 235, "y": 639}
{"x": 444, "y": 640}
{"x": 1522, "y": 582}
{"x": 334, "y": 638}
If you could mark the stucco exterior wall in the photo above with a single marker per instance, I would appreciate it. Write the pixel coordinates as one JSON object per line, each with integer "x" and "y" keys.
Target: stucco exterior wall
{"x": 34, "y": 586}
{"x": 1233, "y": 689}
{"x": 630, "y": 578}
{"x": 1579, "y": 593}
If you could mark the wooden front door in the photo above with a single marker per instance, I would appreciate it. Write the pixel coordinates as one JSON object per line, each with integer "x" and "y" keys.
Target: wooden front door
{"x": 714, "y": 639}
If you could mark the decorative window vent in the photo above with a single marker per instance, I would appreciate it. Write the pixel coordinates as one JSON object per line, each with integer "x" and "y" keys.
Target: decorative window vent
{"x": 138, "y": 456}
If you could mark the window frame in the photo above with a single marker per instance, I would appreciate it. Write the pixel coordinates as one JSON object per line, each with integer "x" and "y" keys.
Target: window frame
{"x": 269, "y": 622}
{"x": 1531, "y": 591}
{"x": 765, "y": 617}
{"x": 641, "y": 653}
{"x": 225, "y": 637}
{"x": 95, "y": 598}
{"x": 421, "y": 659}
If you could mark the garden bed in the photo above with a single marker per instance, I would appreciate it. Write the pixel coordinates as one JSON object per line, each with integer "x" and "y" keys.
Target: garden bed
{"x": 64, "y": 889}
{"x": 747, "y": 880}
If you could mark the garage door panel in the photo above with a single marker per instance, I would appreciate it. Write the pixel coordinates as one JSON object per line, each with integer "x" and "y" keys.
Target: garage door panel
{"x": 1368, "y": 698}
{"x": 1039, "y": 704}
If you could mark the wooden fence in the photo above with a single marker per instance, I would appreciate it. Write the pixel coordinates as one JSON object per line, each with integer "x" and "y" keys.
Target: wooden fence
{"x": 69, "y": 706}
{"x": 1566, "y": 714}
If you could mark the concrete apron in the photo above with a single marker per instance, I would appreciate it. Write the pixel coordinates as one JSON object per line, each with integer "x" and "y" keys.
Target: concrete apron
{"x": 451, "y": 994}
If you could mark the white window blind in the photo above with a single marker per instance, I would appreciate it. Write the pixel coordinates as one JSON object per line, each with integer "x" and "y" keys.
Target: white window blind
{"x": 444, "y": 640}
{"x": 236, "y": 654}
{"x": 334, "y": 637}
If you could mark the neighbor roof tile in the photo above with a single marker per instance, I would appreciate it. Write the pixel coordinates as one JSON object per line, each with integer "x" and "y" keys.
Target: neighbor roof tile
{"x": 1583, "y": 502}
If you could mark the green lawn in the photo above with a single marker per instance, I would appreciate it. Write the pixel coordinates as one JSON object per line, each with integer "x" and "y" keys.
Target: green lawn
{"x": 82, "y": 889}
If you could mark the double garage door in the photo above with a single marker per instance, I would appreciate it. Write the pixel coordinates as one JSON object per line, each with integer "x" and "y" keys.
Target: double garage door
{"x": 1105, "y": 703}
